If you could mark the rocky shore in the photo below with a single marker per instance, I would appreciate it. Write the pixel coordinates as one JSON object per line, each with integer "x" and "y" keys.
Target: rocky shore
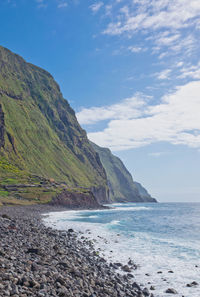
{"x": 38, "y": 261}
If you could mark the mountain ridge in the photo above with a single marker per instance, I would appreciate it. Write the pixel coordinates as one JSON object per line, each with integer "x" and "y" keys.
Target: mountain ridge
{"x": 121, "y": 185}
{"x": 45, "y": 155}
{"x": 39, "y": 132}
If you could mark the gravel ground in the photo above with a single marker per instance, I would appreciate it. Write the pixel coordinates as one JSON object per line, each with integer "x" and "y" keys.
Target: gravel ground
{"x": 39, "y": 261}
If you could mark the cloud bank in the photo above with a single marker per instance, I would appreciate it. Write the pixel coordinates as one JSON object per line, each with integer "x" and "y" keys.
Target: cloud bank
{"x": 134, "y": 122}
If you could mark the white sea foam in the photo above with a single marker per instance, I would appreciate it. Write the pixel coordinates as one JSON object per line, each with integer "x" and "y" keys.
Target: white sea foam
{"x": 114, "y": 222}
{"x": 130, "y": 208}
{"x": 151, "y": 253}
{"x": 71, "y": 214}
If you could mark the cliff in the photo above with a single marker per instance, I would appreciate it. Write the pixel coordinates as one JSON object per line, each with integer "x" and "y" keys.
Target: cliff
{"x": 122, "y": 188}
{"x": 2, "y": 128}
{"x": 145, "y": 196}
{"x": 39, "y": 132}
{"x": 75, "y": 200}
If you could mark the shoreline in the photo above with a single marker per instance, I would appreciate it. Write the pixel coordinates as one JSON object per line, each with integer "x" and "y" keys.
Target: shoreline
{"x": 160, "y": 270}
{"x": 36, "y": 260}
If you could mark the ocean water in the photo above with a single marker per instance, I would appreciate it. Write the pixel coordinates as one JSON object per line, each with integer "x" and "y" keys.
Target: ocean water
{"x": 159, "y": 238}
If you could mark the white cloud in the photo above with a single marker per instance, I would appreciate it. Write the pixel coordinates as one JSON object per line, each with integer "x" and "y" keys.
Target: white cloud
{"x": 158, "y": 154}
{"x": 191, "y": 72}
{"x": 174, "y": 120}
{"x": 163, "y": 74}
{"x": 41, "y": 4}
{"x": 108, "y": 9}
{"x": 128, "y": 108}
{"x": 164, "y": 40}
{"x": 165, "y": 22}
{"x": 179, "y": 64}
{"x": 96, "y": 6}
{"x": 156, "y": 14}
{"x": 135, "y": 49}
{"x": 62, "y": 5}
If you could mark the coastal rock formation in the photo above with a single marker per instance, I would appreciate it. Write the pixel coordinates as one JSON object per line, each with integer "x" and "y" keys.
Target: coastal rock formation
{"x": 2, "y": 128}
{"x": 145, "y": 196}
{"x": 122, "y": 188}
{"x": 75, "y": 200}
{"x": 39, "y": 131}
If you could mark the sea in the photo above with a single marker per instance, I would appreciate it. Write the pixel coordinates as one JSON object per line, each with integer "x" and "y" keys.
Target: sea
{"x": 163, "y": 239}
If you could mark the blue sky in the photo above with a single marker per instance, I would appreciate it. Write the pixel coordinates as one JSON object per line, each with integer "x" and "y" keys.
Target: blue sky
{"x": 131, "y": 71}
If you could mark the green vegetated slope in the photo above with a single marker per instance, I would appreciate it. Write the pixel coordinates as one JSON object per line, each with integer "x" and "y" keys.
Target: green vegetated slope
{"x": 39, "y": 133}
{"x": 121, "y": 185}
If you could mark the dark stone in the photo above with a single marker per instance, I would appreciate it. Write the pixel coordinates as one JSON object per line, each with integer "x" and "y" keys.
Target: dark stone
{"x": 2, "y": 254}
{"x": 5, "y": 216}
{"x": 136, "y": 286}
{"x": 152, "y": 288}
{"x": 130, "y": 262}
{"x": 118, "y": 264}
{"x": 125, "y": 268}
{"x": 60, "y": 280}
{"x": 34, "y": 267}
{"x": 146, "y": 292}
{"x": 33, "y": 251}
{"x": 171, "y": 291}
{"x": 130, "y": 275}
{"x": 193, "y": 284}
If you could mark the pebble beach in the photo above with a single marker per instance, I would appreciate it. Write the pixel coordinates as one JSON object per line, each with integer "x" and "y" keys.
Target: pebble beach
{"x": 38, "y": 261}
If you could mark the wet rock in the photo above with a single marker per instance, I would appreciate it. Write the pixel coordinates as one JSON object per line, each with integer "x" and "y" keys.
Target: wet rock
{"x": 136, "y": 286}
{"x": 193, "y": 284}
{"x": 125, "y": 268}
{"x": 130, "y": 275}
{"x": 118, "y": 264}
{"x": 171, "y": 291}
{"x": 146, "y": 292}
{"x": 130, "y": 262}
{"x": 152, "y": 288}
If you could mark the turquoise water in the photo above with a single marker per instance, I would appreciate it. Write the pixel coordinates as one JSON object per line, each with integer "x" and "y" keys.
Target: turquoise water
{"x": 158, "y": 237}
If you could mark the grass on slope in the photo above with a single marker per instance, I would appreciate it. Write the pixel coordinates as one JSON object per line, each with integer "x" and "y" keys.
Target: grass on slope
{"x": 42, "y": 134}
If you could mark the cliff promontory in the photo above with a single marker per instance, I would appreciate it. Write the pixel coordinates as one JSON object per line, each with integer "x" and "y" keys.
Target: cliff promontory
{"x": 121, "y": 185}
{"x": 39, "y": 132}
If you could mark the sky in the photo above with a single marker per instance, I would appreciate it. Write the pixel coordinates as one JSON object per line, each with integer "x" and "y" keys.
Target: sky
{"x": 131, "y": 71}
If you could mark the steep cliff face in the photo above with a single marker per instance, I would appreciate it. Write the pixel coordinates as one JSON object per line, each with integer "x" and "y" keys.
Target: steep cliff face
{"x": 2, "y": 128}
{"x": 76, "y": 200}
{"x": 39, "y": 132}
{"x": 122, "y": 188}
{"x": 102, "y": 194}
{"x": 145, "y": 196}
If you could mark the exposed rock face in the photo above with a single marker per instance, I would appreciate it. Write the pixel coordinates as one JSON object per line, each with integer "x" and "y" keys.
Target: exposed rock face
{"x": 76, "y": 200}
{"x": 43, "y": 135}
{"x": 2, "y": 128}
{"x": 122, "y": 188}
{"x": 144, "y": 194}
{"x": 101, "y": 194}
